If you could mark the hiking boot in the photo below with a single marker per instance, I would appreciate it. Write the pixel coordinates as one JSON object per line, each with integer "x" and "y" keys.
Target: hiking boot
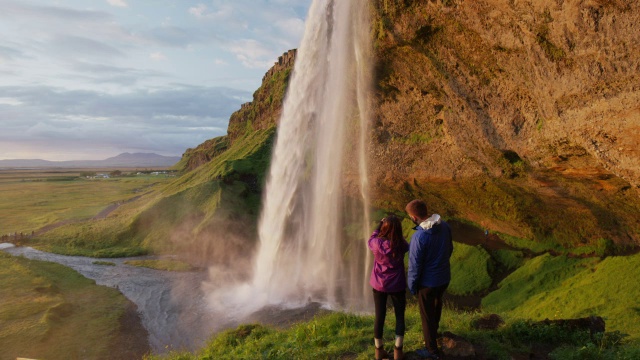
{"x": 381, "y": 353}
{"x": 426, "y": 354}
{"x": 397, "y": 353}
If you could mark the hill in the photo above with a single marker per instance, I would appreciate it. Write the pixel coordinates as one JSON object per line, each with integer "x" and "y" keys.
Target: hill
{"x": 130, "y": 160}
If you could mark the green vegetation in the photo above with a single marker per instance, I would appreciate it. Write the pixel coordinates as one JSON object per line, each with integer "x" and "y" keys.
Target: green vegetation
{"x": 163, "y": 264}
{"x": 552, "y": 51}
{"x": 561, "y": 287}
{"x": 185, "y": 214}
{"x": 104, "y": 263}
{"x": 45, "y": 308}
{"x": 27, "y": 203}
{"x": 340, "y": 335}
{"x": 510, "y": 259}
{"x": 470, "y": 270}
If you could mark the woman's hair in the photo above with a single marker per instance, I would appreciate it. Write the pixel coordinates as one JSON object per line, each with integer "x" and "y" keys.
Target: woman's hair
{"x": 391, "y": 229}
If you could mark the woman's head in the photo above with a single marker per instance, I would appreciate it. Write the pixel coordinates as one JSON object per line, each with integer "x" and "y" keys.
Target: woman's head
{"x": 391, "y": 229}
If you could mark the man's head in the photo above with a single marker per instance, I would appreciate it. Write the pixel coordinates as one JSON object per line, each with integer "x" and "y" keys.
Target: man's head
{"x": 417, "y": 210}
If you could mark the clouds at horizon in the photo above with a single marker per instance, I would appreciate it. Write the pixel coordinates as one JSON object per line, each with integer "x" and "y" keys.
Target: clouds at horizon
{"x": 94, "y": 79}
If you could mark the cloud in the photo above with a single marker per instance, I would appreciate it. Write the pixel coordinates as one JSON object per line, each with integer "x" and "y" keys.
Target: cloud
{"x": 201, "y": 11}
{"x": 157, "y": 56}
{"x": 76, "y": 46}
{"x": 253, "y": 54}
{"x": 9, "y": 53}
{"x": 166, "y": 120}
{"x": 118, "y": 3}
{"x": 15, "y": 9}
{"x": 260, "y": 31}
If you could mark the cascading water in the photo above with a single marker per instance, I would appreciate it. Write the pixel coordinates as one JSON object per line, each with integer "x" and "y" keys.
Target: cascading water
{"x": 315, "y": 221}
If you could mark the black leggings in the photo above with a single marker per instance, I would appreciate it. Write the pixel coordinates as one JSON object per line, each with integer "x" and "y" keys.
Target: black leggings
{"x": 399, "y": 301}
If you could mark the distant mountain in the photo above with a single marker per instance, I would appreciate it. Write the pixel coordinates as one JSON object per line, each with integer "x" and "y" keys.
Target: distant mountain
{"x": 123, "y": 160}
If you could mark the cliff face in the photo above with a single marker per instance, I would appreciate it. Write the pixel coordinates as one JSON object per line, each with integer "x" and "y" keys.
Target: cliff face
{"x": 519, "y": 115}
{"x": 261, "y": 113}
{"x": 265, "y": 109}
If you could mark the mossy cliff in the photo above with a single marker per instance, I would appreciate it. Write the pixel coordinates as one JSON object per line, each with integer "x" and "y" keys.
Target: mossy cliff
{"x": 520, "y": 116}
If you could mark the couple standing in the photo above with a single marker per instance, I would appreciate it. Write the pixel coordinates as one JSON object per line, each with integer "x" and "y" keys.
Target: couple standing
{"x": 428, "y": 276}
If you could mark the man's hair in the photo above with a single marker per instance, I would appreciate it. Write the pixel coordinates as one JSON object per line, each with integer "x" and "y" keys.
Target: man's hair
{"x": 417, "y": 208}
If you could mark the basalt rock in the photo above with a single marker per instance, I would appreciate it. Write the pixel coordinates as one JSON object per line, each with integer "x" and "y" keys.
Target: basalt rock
{"x": 453, "y": 345}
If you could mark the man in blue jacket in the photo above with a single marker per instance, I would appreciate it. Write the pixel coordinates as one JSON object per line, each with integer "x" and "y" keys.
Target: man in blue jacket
{"x": 429, "y": 270}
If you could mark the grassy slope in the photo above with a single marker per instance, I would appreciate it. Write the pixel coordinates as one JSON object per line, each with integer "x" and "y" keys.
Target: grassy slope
{"x": 45, "y": 308}
{"x": 561, "y": 287}
{"x": 186, "y": 214}
{"x": 470, "y": 270}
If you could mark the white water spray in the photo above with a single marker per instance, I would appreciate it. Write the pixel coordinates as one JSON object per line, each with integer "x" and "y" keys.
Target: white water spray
{"x": 312, "y": 233}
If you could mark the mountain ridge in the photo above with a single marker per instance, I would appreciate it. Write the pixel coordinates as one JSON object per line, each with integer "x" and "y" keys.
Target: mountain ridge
{"x": 125, "y": 159}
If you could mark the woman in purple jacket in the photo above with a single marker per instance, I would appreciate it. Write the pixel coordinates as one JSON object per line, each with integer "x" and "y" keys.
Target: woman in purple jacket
{"x": 388, "y": 279}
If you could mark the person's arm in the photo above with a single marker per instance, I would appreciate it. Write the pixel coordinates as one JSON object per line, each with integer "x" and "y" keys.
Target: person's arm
{"x": 416, "y": 253}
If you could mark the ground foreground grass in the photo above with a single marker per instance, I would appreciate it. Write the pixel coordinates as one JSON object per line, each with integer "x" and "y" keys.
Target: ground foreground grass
{"x": 545, "y": 287}
{"x": 48, "y": 311}
{"x": 340, "y": 335}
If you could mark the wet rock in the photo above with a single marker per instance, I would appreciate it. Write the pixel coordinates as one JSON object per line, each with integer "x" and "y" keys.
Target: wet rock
{"x": 488, "y": 322}
{"x": 456, "y": 346}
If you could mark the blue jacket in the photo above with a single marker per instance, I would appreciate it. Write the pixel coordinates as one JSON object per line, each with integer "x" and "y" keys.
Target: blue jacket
{"x": 429, "y": 252}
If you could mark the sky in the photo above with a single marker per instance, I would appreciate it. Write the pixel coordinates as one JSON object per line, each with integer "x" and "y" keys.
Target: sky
{"x": 90, "y": 79}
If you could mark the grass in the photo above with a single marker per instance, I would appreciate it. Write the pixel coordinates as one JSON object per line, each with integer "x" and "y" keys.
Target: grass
{"x": 340, "y": 336}
{"x": 562, "y": 287}
{"x": 163, "y": 264}
{"x": 470, "y": 270}
{"x": 104, "y": 263}
{"x": 28, "y": 202}
{"x": 510, "y": 259}
{"x": 185, "y": 214}
{"x": 50, "y": 311}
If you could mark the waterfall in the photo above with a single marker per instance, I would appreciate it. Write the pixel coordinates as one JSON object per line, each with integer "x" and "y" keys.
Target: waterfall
{"x": 315, "y": 217}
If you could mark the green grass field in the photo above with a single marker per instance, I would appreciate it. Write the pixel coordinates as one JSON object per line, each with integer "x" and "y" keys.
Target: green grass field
{"x": 32, "y": 200}
{"x": 48, "y": 311}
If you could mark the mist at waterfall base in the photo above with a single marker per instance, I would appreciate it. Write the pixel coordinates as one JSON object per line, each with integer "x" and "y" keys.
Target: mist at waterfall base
{"x": 314, "y": 222}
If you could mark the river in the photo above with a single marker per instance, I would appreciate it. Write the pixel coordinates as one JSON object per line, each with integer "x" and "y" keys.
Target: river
{"x": 172, "y": 305}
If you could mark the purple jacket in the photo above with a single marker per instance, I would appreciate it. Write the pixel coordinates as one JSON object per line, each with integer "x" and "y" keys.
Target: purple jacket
{"x": 388, "y": 273}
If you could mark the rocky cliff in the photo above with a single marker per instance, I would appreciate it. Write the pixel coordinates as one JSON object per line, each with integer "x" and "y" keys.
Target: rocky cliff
{"x": 520, "y": 116}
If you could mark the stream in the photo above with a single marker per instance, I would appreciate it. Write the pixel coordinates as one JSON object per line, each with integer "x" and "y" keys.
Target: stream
{"x": 171, "y": 304}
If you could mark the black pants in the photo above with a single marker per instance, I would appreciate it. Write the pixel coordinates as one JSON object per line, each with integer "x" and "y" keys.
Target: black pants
{"x": 399, "y": 301}
{"x": 430, "y": 303}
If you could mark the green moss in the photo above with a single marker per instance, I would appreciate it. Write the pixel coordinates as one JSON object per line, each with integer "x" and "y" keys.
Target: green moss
{"x": 534, "y": 279}
{"x": 510, "y": 259}
{"x": 470, "y": 270}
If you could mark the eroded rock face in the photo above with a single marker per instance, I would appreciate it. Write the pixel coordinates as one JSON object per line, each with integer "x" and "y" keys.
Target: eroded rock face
{"x": 522, "y": 116}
